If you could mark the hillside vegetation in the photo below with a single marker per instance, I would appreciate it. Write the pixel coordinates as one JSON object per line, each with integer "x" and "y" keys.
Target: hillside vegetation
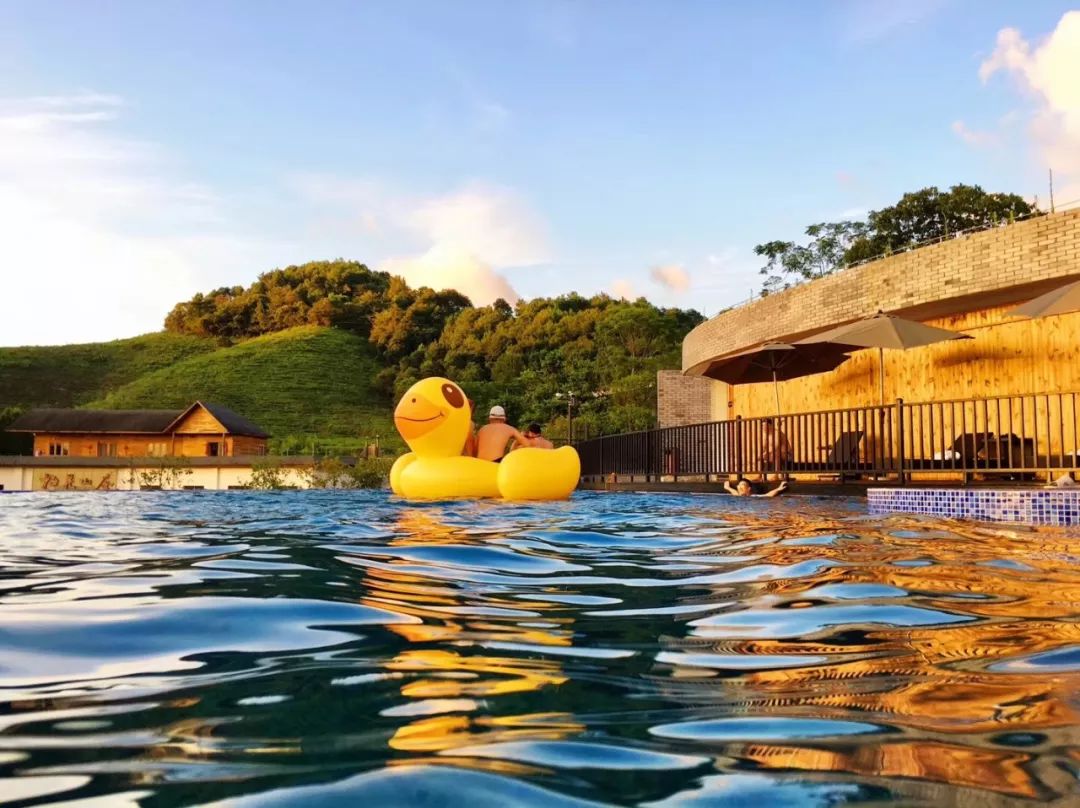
{"x": 322, "y": 350}
{"x": 606, "y": 351}
{"x": 297, "y": 384}
{"x": 70, "y": 375}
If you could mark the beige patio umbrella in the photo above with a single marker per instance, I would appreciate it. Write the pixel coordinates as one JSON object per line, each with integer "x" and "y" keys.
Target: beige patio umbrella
{"x": 777, "y": 361}
{"x": 1062, "y": 300}
{"x": 883, "y": 331}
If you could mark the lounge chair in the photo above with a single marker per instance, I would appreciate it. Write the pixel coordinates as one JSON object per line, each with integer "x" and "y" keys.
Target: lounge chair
{"x": 841, "y": 459}
{"x": 845, "y": 452}
{"x": 969, "y": 451}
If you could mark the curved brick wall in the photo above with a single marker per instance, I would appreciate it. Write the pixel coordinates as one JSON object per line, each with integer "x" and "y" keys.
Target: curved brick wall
{"x": 991, "y": 268}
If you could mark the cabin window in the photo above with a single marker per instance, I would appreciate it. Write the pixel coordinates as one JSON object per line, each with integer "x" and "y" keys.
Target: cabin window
{"x": 156, "y": 449}
{"x": 213, "y": 448}
{"x": 106, "y": 450}
{"x": 59, "y": 448}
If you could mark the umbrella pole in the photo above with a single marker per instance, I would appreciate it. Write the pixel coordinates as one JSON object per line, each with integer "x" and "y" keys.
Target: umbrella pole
{"x": 881, "y": 373}
{"x": 776, "y": 392}
{"x": 776, "y": 426}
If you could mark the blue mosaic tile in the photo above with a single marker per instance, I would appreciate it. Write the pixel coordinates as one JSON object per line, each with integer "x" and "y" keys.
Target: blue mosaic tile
{"x": 1038, "y": 507}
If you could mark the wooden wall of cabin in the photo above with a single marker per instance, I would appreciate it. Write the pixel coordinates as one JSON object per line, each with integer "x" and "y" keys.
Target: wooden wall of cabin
{"x": 1008, "y": 356}
{"x": 127, "y": 445}
{"x": 140, "y": 445}
{"x": 196, "y": 445}
{"x": 200, "y": 421}
{"x": 244, "y": 445}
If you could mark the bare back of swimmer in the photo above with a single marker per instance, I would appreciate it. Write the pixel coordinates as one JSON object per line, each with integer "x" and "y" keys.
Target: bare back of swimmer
{"x": 494, "y": 437}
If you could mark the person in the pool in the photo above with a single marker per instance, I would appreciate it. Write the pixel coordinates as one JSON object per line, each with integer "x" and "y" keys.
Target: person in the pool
{"x": 744, "y": 488}
{"x": 535, "y": 439}
{"x": 469, "y": 449}
{"x": 496, "y": 435}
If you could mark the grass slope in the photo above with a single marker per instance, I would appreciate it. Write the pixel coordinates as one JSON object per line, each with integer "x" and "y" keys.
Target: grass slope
{"x": 70, "y": 375}
{"x": 303, "y": 381}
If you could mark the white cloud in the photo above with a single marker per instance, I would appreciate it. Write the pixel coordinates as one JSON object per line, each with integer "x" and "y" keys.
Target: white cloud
{"x": 671, "y": 276}
{"x": 100, "y": 234}
{"x": 463, "y": 239}
{"x": 868, "y": 21}
{"x": 623, "y": 289}
{"x": 1048, "y": 72}
{"x": 975, "y": 137}
{"x": 721, "y": 259}
{"x": 445, "y": 267}
{"x": 848, "y": 214}
{"x": 490, "y": 222}
{"x": 98, "y": 238}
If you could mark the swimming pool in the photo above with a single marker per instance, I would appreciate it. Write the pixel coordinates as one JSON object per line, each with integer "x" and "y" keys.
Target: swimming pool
{"x": 289, "y": 647}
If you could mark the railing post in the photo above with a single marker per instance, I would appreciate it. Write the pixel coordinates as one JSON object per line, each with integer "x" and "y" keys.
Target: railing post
{"x": 738, "y": 447}
{"x": 900, "y": 476}
{"x": 648, "y": 454}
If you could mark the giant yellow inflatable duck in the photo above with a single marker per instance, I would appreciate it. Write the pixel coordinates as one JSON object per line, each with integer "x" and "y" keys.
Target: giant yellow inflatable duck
{"x": 434, "y": 419}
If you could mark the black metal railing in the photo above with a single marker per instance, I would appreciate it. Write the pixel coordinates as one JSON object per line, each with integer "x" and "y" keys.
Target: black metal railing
{"x": 1016, "y": 436}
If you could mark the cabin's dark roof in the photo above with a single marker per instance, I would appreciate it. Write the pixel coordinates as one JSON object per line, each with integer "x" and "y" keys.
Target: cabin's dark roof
{"x": 152, "y": 422}
{"x": 60, "y": 421}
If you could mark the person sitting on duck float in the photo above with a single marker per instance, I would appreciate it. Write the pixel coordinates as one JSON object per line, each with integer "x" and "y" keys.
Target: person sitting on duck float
{"x": 495, "y": 435}
{"x": 433, "y": 418}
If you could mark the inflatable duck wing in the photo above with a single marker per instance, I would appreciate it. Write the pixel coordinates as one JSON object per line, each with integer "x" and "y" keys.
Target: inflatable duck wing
{"x": 434, "y": 419}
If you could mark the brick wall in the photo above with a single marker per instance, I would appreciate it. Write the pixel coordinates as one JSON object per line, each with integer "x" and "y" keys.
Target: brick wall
{"x": 683, "y": 399}
{"x": 970, "y": 273}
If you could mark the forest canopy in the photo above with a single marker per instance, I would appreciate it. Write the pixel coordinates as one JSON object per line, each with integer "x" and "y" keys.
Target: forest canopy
{"x": 919, "y": 217}
{"x": 604, "y": 350}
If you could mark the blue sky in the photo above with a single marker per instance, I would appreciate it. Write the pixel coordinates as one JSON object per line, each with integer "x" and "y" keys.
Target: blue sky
{"x": 149, "y": 150}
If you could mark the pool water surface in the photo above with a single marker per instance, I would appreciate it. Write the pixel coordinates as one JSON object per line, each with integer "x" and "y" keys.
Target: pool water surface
{"x": 325, "y": 648}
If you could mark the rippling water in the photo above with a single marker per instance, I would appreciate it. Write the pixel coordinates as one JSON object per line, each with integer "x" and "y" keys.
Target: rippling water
{"x": 328, "y": 647}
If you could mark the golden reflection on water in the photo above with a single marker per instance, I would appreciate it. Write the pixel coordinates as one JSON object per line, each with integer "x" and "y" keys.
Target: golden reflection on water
{"x": 451, "y": 732}
{"x": 457, "y": 676}
{"x": 1000, "y": 770}
{"x": 930, "y": 680}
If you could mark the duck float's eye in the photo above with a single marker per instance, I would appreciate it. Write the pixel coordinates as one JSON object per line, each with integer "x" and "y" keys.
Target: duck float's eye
{"x": 454, "y": 397}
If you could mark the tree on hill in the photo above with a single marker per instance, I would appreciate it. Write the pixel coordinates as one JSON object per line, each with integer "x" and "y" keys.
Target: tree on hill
{"x": 790, "y": 263}
{"x": 918, "y": 217}
{"x": 340, "y": 293}
{"x": 414, "y": 319}
{"x": 519, "y": 357}
{"x": 12, "y": 443}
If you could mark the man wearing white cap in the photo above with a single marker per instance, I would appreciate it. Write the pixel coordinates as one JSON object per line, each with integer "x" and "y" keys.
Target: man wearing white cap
{"x": 493, "y": 437}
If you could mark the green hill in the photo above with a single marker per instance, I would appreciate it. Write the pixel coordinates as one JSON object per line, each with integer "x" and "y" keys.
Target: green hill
{"x": 297, "y": 384}
{"x": 311, "y": 352}
{"x": 70, "y": 375}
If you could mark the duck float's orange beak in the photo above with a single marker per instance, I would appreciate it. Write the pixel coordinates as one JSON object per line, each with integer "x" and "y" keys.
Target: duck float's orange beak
{"x": 415, "y": 416}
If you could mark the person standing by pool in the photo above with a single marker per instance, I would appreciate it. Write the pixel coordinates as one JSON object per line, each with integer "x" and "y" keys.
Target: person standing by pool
{"x": 775, "y": 448}
{"x": 495, "y": 435}
{"x": 535, "y": 439}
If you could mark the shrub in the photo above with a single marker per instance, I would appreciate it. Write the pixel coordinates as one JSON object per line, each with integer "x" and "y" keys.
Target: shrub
{"x": 267, "y": 475}
{"x": 170, "y": 472}
{"x": 331, "y": 472}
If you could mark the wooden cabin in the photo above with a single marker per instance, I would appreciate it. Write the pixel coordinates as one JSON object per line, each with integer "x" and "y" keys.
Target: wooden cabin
{"x": 201, "y": 430}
